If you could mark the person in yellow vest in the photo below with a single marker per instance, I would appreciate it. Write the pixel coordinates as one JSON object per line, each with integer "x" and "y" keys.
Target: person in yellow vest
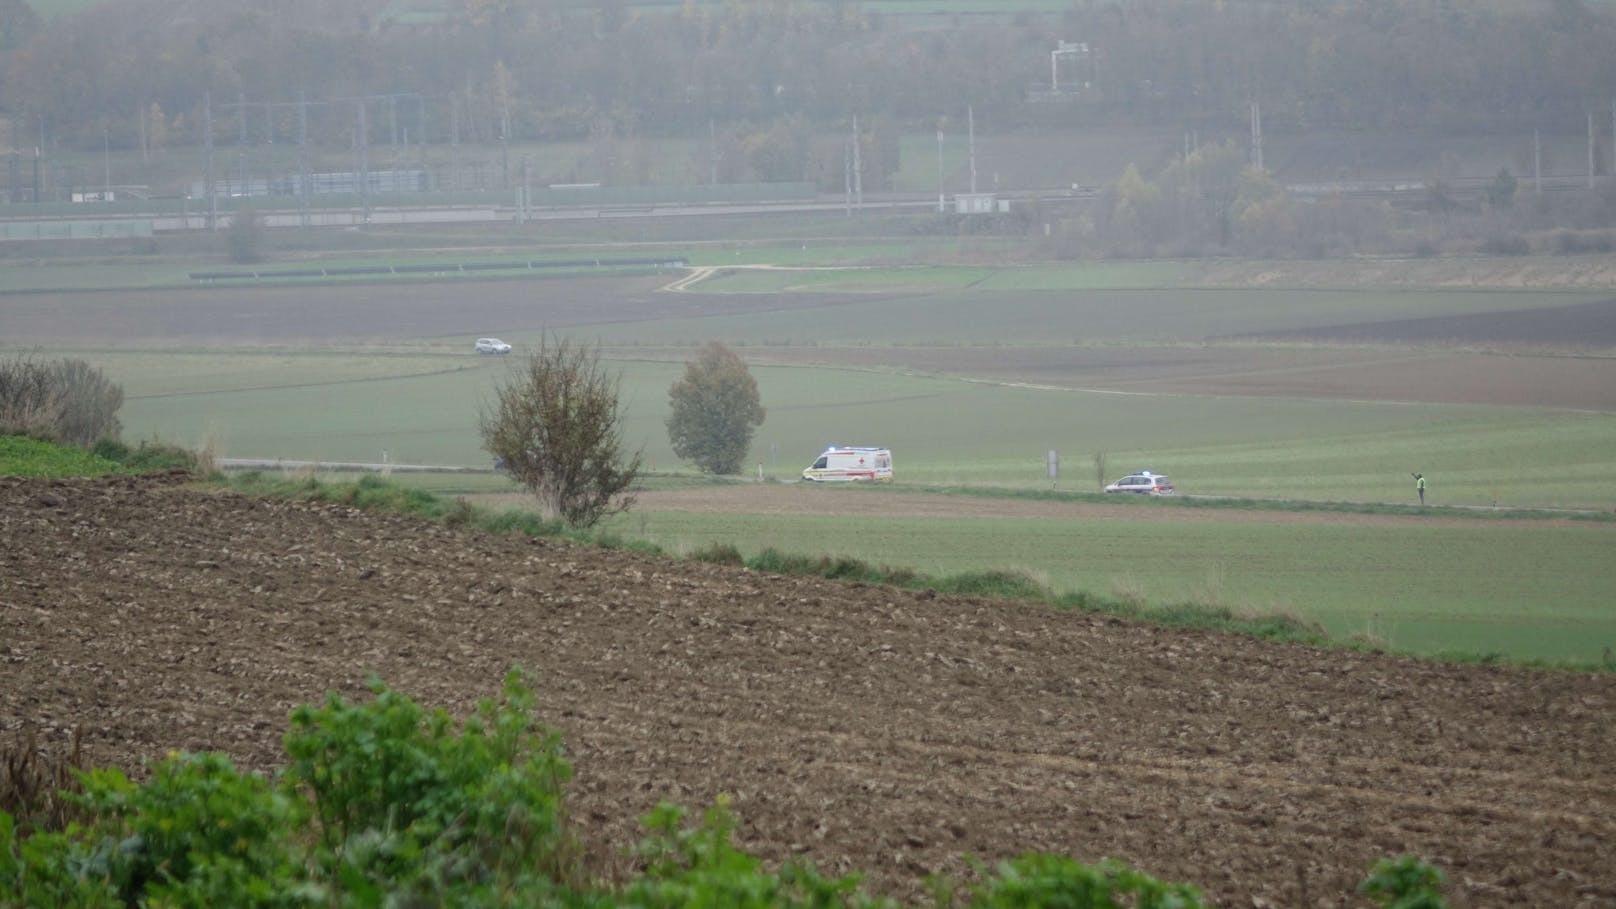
{"x": 1419, "y": 486}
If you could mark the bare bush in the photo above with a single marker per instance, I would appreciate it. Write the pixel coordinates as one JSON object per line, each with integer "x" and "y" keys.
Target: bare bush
{"x": 66, "y": 400}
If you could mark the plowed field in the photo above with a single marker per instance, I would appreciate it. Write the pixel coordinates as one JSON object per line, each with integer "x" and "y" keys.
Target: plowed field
{"x": 861, "y": 727}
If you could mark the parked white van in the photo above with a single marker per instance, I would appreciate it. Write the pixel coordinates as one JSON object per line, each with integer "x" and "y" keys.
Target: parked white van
{"x": 842, "y": 464}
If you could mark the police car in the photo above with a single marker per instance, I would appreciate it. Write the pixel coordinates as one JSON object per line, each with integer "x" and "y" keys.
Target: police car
{"x": 1144, "y": 482}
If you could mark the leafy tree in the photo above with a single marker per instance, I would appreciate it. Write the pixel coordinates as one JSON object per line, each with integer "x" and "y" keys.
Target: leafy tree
{"x": 1135, "y": 212}
{"x": 245, "y": 235}
{"x": 1404, "y": 882}
{"x": 715, "y": 409}
{"x": 18, "y": 22}
{"x": 556, "y": 429}
{"x": 1501, "y": 192}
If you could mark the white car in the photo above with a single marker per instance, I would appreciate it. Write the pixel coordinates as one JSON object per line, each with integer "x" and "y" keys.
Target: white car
{"x": 1145, "y": 483}
{"x": 491, "y": 346}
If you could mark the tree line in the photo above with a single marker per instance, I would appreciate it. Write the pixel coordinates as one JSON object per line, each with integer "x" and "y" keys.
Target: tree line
{"x": 132, "y": 73}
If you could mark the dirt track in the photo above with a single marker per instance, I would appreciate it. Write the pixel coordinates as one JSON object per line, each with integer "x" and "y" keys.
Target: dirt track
{"x": 859, "y": 726}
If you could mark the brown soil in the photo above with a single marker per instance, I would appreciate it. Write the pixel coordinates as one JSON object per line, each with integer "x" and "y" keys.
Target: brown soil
{"x": 858, "y": 726}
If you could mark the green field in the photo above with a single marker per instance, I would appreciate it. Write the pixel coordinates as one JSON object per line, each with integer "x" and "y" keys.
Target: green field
{"x": 1507, "y": 586}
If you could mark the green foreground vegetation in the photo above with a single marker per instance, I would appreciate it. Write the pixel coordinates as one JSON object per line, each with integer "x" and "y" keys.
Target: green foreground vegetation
{"x": 387, "y": 803}
{"x": 25, "y": 457}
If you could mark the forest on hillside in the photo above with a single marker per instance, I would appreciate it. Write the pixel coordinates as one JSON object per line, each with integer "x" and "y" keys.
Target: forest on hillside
{"x": 137, "y": 73}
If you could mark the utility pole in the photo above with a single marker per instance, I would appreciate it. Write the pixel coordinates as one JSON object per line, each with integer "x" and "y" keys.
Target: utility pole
{"x": 858, "y": 168}
{"x": 304, "y": 182}
{"x": 939, "y": 171}
{"x": 505, "y": 141}
{"x": 241, "y": 143}
{"x": 106, "y": 165}
{"x": 207, "y": 145}
{"x": 970, "y": 125}
{"x": 1537, "y": 162}
{"x": 420, "y": 135}
{"x": 847, "y": 180}
{"x": 521, "y": 195}
{"x": 1590, "y": 149}
{"x": 454, "y": 142}
{"x": 362, "y": 138}
{"x": 1256, "y": 135}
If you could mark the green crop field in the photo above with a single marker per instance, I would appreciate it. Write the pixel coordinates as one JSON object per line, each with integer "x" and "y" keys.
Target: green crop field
{"x": 1501, "y": 587}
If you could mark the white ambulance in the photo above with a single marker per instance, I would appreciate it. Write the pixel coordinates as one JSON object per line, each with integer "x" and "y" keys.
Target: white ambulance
{"x": 842, "y": 464}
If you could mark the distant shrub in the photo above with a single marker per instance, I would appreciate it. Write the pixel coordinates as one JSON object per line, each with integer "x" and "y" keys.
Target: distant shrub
{"x": 459, "y": 513}
{"x": 1008, "y": 584}
{"x": 244, "y": 236}
{"x": 66, "y": 400}
{"x": 147, "y": 456}
{"x": 1506, "y": 245}
{"x": 1571, "y": 242}
{"x": 718, "y": 554}
{"x": 524, "y": 522}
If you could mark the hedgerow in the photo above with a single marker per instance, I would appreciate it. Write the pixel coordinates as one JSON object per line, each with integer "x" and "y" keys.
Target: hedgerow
{"x": 386, "y": 803}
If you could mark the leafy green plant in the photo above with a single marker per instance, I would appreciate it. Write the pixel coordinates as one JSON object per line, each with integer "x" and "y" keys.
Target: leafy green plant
{"x": 398, "y": 795}
{"x": 24, "y": 457}
{"x": 198, "y": 833}
{"x": 699, "y": 866}
{"x": 1405, "y": 882}
{"x": 1039, "y": 880}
